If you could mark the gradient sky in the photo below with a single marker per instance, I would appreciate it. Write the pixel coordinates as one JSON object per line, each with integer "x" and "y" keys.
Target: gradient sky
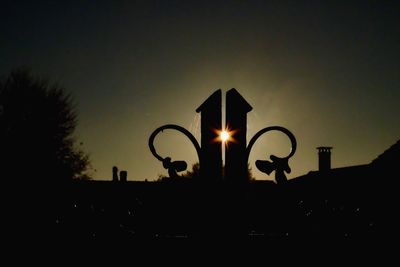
{"x": 326, "y": 70}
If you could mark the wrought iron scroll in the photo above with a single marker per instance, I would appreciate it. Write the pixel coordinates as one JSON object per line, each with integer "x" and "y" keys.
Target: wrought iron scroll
{"x": 237, "y": 153}
{"x": 173, "y": 167}
{"x": 277, "y": 164}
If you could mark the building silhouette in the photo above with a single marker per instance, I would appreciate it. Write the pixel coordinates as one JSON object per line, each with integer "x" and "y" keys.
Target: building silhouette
{"x": 329, "y": 204}
{"x": 383, "y": 165}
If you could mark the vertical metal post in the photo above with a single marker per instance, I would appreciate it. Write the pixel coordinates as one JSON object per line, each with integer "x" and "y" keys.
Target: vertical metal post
{"x": 211, "y": 149}
{"x": 236, "y": 122}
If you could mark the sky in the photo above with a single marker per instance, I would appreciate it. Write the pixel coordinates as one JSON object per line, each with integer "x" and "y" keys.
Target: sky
{"x": 326, "y": 70}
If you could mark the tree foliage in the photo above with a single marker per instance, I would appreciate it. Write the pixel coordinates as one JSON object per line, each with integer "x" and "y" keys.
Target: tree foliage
{"x": 194, "y": 173}
{"x": 37, "y": 122}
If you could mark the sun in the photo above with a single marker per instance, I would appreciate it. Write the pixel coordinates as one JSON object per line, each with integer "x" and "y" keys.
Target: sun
{"x": 224, "y": 135}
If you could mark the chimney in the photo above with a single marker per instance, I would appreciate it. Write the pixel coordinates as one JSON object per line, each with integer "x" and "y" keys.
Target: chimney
{"x": 123, "y": 176}
{"x": 324, "y": 158}
{"x": 115, "y": 173}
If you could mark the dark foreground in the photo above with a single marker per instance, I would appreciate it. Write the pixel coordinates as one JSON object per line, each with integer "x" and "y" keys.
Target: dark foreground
{"x": 135, "y": 212}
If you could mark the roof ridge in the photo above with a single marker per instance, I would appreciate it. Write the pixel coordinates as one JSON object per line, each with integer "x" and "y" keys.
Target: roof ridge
{"x": 388, "y": 154}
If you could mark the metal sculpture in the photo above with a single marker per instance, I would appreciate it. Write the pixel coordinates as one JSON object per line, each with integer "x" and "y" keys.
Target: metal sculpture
{"x": 279, "y": 165}
{"x": 237, "y": 153}
{"x": 173, "y": 167}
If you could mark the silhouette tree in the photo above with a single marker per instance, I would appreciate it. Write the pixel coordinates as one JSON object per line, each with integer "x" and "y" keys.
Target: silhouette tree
{"x": 249, "y": 173}
{"x": 194, "y": 173}
{"x": 37, "y": 121}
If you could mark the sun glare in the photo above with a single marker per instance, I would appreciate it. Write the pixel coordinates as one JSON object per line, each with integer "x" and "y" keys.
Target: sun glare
{"x": 224, "y": 135}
